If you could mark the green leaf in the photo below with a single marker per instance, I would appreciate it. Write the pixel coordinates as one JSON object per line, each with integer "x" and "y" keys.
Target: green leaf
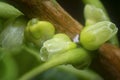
{"x": 13, "y": 34}
{"x": 26, "y": 59}
{"x": 8, "y": 11}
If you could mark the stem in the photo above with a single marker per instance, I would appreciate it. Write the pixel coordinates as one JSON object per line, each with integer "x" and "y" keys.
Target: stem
{"x": 51, "y": 11}
{"x": 36, "y": 31}
{"x": 85, "y": 74}
{"x": 33, "y": 52}
{"x": 40, "y": 69}
{"x": 74, "y": 56}
{"x": 110, "y": 56}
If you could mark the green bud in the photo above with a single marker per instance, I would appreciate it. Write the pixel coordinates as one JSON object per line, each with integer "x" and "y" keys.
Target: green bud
{"x": 39, "y": 31}
{"x": 8, "y": 11}
{"x": 58, "y": 44}
{"x": 96, "y": 3}
{"x": 92, "y": 37}
{"x": 95, "y": 12}
{"x": 94, "y": 15}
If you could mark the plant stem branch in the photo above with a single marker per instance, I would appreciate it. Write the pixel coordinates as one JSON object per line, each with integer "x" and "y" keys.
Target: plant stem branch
{"x": 39, "y": 70}
{"x": 33, "y": 52}
{"x": 85, "y": 74}
{"x": 74, "y": 56}
{"x": 110, "y": 57}
{"x": 51, "y": 11}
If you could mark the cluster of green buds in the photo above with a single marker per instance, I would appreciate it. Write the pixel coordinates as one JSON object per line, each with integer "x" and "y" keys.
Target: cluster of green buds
{"x": 98, "y": 28}
{"x": 55, "y": 49}
{"x": 59, "y": 49}
{"x": 62, "y": 46}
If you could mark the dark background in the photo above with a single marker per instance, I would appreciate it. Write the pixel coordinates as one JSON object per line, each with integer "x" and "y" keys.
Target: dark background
{"x": 75, "y": 8}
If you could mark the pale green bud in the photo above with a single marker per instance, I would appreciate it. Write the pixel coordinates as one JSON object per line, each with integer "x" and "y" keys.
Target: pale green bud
{"x": 58, "y": 44}
{"x": 39, "y": 31}
{"x": 92, "y": 37}
{"x": 94, "y": 15}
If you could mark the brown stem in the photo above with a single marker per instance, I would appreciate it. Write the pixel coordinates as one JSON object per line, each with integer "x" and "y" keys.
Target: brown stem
{"x": 51, "y": 11}
{"x": 110, "y": 58}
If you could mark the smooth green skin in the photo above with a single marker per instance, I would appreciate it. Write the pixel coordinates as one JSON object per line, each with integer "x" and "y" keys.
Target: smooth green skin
{"x": 62, "y": 36}
{"x": 92, "y": 37}
{"x": 13, "y": 34}
{"x": 74, "y": 56}
{"x": 39, "y": 31}
{"x": 8, "y": 11}
{"x": 56, "y": 46}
